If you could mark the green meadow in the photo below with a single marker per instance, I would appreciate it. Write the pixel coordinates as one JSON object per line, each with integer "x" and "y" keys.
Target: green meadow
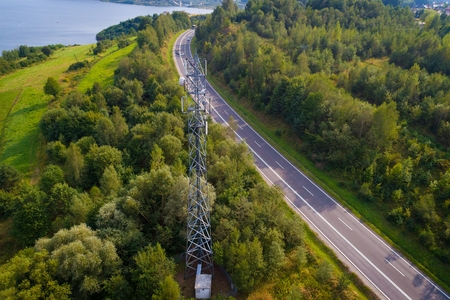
{"x": 23, "y": 102}
{"x": 103, "y": 70}
{"x": 7, "y": 100}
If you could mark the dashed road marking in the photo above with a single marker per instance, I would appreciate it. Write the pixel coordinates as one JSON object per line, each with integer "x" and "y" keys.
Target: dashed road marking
{"x": 345, "y": 224}
{"x": 279, "y": 165}
{"x": 308, "y": 191}
{"x": 394, "y": 267}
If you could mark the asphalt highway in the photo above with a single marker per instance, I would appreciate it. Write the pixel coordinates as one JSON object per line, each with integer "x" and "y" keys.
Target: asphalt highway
{"x": 385, "y": 271}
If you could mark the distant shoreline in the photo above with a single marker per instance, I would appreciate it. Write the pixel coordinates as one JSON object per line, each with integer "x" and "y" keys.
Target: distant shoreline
{"x": 168, "y": 3}
{"x": 68, "y": 22}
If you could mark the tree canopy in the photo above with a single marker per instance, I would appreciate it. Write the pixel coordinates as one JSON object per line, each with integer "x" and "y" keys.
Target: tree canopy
{"x": 364, "y": 90}
{"x": 110, "y": 206}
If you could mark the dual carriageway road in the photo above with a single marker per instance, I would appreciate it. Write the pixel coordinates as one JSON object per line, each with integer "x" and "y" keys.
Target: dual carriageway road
{"x": 384, "y": 270}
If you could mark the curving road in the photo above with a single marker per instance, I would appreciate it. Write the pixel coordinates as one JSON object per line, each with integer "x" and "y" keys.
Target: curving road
{"x": 384, "y": 270}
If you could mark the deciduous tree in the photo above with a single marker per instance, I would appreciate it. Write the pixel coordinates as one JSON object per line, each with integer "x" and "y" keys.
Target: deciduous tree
{"x": 31, "y": 275}
{"x": 83, "y": 260}
{"x": 152, "y": 269}
{"x": 52, "y": 87}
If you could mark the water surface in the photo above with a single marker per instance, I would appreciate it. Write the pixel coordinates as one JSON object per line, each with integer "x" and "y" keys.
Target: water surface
{"x": 67, "y": 22}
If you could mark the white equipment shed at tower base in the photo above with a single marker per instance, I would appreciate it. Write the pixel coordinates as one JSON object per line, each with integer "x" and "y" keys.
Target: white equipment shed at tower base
{"x": 202, "y": 284}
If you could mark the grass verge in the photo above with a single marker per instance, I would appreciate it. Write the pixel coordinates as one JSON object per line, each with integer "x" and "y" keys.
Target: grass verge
{"x": 369, "y": 213}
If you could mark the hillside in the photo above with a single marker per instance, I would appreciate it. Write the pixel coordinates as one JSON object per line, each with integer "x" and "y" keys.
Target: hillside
{"x": 24, "y": 103}
{"x": 107, "y": 205}
{"x": 357, "y": 92}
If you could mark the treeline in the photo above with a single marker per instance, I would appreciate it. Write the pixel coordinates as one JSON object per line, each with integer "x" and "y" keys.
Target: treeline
{"x": 113, "y": 200}
{"x": 91, "y": 179}
{"x": 132, "y": 26}
{"x": 363, "y": 87}
{"x": 24, "y": 56}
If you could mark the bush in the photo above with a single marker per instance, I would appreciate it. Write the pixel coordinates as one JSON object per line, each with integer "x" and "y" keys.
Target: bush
{"x": 52, "y": 87}
{"x": 79, "y": 65}
{"x": 426, "y": 236}
{"x": 9, "y": 177}
{"x": 46, "y": 50}
{"x": 50, "y": 176}
{"x": 123, "y": 42}
{"x": 324, "y": 272}
{"x": 57, "y": 151}
{"x": 24, "y": 63}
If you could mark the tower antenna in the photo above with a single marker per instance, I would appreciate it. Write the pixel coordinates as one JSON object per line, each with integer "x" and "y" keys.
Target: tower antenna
{"x": 197, "y": 106}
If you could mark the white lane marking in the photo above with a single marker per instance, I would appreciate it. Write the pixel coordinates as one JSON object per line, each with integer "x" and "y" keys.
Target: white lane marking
{"x": 257, "y": 144}
{"x": 324, "y": 220}
{"x": 339, "y": 205}
{"x": 279, "y": 165}
{"x": 331, "y": 200}
{"x": 404, "y": 260}
{"x": 181, "y": 44}
{"x": 345, "y": 224}
{"x": 308, "y": 191}
{"x": 240, "y": 126}
{"x": 394, "y": 267}
{"x": 225, "y": 112}
{"x": 317, "y": 228}
{"x": 264, "y": 175}
{"x": 310, "y": 222}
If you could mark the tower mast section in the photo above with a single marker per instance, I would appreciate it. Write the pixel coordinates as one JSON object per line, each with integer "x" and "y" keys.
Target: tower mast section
{"x": 199, "y": 243}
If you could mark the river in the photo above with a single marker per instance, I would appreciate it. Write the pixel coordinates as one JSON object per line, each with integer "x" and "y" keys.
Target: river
{"x": 67, "y": 22}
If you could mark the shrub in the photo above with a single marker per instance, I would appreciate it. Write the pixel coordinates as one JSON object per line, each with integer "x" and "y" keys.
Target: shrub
{"x": 79, "y": 65}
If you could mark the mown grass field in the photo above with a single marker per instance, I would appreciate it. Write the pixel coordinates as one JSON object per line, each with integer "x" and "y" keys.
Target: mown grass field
{"x": 23, "y": 102}
{"x": 103, "y": 71}
{"x": 7, "y": 99}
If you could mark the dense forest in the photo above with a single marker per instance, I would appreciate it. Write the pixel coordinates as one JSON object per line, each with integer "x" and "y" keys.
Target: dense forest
{"x": 109, "y": 209}
{"x": 363, "y": 87}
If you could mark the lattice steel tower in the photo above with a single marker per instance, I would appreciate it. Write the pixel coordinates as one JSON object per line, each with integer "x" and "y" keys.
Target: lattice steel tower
{"x": 199, "y": 243}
